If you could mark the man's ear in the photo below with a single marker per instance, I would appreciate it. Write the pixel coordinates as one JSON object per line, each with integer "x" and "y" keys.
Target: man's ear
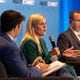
{"x": 15, "y": 27}
{"x": 18, "y": 25}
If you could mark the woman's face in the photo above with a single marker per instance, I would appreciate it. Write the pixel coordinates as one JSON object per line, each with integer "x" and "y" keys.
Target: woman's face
{"x": 41, "y": 27}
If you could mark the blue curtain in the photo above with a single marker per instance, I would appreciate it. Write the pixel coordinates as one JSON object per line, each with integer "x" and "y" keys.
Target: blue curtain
{"x": 65, "y": 7}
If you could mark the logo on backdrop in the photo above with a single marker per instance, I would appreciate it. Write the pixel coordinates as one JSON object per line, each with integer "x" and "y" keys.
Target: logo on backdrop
{"x": 26, "y": 2}
{"x": 49, "y": 3}
{"x": 2, "y": 1}
{"x": 17, "y": 1}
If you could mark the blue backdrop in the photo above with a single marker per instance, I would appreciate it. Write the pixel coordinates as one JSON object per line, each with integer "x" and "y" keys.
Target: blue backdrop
{"x": 56, "y": 12}
{"x": 65, "y": 7}
{"x": 50, "y": 8}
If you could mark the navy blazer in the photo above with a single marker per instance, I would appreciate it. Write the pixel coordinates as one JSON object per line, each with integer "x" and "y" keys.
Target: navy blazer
{"x": 13, "y": 59}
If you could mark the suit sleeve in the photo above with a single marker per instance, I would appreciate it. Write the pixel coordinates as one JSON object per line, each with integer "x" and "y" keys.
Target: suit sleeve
{"x": 16, "y": 65}
{"x": 63, "y": 43}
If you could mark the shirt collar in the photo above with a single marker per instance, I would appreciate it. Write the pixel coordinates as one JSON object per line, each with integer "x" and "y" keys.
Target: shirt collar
{"x": 10, "y": 36}
{"x": 74, "y": 31}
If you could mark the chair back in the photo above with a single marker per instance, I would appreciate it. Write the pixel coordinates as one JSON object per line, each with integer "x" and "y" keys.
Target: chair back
{"x": 3, "y": 72}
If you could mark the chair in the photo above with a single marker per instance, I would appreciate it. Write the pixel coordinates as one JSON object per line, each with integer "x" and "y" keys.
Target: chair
{"x": 39, "y": 78}
{"x": 3, "y": 76}
{"x": 3, "y": 73}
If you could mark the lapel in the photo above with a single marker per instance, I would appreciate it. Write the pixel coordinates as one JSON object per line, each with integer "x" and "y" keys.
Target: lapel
{"x": 5, "y": 36}
{"x": 44, "y": 48}
{"x": 74, "y": 36}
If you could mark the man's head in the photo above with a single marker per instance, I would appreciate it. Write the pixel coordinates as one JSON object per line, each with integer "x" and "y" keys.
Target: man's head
{"x": 72, "y": 14}
{"x": 75, "y": 20}
{"x": 9, "y": 20}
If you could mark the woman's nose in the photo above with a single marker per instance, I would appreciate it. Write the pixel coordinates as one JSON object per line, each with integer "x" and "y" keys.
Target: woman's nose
{"x": 45, "y": 25}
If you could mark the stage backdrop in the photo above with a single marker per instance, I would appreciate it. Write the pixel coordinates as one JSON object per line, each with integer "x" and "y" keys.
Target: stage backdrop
{"x": 49, "y": 8}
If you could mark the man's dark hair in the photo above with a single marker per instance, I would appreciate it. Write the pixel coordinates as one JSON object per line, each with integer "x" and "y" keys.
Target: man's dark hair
{"x": 9, "y": 20}
{"x": 71, "y": 17}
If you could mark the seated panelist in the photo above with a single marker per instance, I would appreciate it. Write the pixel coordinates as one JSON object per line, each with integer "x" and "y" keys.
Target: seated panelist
{"x": 10, "y": 55}
{"x": 33, "y": 45}
{"x": 71, "y": 38}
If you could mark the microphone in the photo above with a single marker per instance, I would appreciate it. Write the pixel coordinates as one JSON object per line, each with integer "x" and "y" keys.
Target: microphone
{"x": 52, "y": 41}
{"x": 53, "y": 58}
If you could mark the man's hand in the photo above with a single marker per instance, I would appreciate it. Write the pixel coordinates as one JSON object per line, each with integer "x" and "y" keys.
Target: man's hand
{"x": 77, "y": 53}
{"x": 70, "y": 53}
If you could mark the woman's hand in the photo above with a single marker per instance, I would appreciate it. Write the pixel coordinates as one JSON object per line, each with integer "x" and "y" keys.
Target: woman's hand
{"x": 55, "y": 51}
{"x": 38, "y": 60}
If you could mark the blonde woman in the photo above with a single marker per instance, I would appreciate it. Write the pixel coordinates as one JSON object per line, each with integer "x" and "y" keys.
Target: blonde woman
{"x": 33, "y": 45}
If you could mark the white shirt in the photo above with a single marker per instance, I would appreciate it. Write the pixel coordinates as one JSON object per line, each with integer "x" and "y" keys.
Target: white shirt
{"x": 10, "y": 37}
{"x": 76, "y": 33}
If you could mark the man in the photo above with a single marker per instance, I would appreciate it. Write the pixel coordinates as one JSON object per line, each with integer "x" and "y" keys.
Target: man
{"x": 10, "y": 54}
{"x": 71, "y": 38}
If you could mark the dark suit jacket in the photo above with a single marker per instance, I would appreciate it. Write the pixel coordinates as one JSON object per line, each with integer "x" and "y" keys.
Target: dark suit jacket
{"x": 67, "y": 40}
{"x": 13, "y": 59}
